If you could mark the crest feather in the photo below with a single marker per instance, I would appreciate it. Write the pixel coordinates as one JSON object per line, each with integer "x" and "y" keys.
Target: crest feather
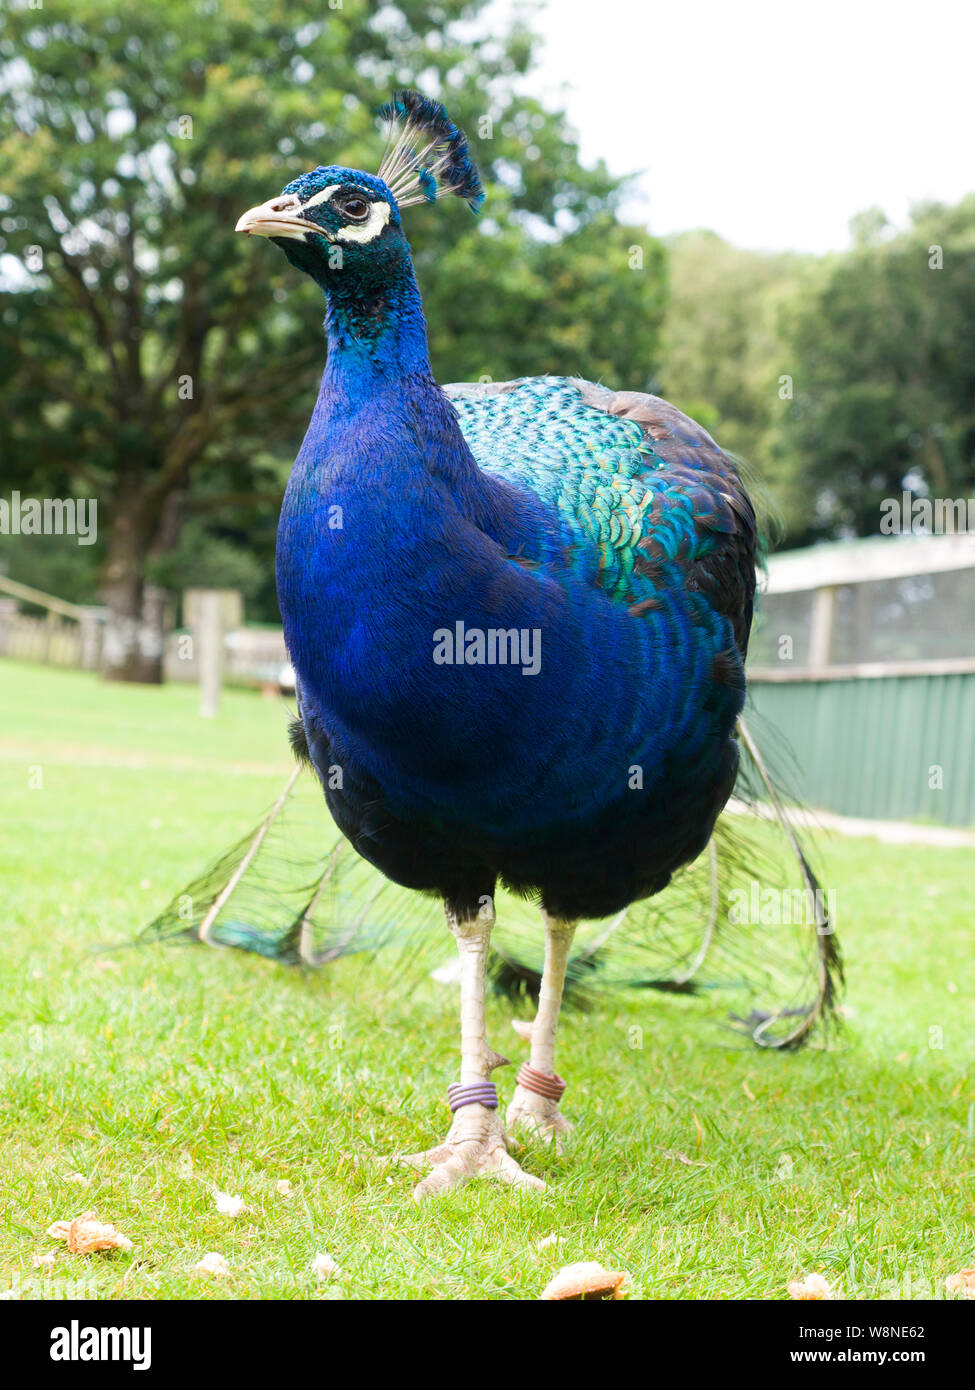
{"x": 426, "y": 155}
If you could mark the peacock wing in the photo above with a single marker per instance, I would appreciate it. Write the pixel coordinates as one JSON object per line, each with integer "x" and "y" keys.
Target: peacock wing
{"x": 641, "y": 484}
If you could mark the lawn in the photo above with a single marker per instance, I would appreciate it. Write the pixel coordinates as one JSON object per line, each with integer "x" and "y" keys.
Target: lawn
{"x": 137, "y": 1082}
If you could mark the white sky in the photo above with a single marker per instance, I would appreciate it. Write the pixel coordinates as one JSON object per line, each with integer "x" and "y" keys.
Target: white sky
{"x": 771, "y": 123}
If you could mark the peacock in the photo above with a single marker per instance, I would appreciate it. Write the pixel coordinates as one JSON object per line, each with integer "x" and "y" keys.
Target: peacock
{"x": 518, "y": 614}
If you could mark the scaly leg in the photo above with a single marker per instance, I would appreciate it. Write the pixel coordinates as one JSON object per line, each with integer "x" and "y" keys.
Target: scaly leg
{"x": 530, "y": 1109}
{"x": 476, "y": 1140}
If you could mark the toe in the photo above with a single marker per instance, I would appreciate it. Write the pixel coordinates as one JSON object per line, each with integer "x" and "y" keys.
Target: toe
{"x": 511, "y": 1172}
{"x": 454, "y": 1166}
{"x": 442, "y": 1178}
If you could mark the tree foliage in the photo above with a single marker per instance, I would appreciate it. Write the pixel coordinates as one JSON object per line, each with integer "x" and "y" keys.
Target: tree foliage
{"x": 725, "y": 357}
{"x": 155, "y": 360}
{"x": 841, "y": 379}
{"x": 884, "y": 347}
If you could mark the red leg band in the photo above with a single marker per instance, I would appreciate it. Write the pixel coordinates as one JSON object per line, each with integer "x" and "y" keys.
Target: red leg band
{"x": 551, "y": 1087}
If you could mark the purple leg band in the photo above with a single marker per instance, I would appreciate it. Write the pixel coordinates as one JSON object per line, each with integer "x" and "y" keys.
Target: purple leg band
{"x": 477, "y": 1093}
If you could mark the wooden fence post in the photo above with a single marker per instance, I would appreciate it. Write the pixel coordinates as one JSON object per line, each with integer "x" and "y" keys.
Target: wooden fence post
{"x": 209, "y": 649}
{"x": 821, "y": 635}
{"x": 90, "y": 620}
{"x": 8, "y": 616}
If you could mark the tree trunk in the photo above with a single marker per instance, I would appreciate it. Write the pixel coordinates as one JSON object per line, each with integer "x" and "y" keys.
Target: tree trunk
{"x": 132, "y": 646}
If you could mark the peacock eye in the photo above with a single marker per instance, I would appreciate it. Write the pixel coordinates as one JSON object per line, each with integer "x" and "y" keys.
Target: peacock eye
{"x": 355, "y": 209}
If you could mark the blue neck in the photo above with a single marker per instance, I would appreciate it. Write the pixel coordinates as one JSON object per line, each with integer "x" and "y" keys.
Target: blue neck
{"x": 383, "y": 431}
{"x": 375, "y": 335}
{"x": 383, "y": 472}
{"x": 380, "y": 417}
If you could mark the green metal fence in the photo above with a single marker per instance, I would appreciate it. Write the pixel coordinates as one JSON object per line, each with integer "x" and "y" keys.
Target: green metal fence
{"x": 895, "y": 747}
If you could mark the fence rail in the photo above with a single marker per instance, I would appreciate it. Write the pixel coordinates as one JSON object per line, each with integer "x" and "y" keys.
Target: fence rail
{"x": 70, "y": 634}
{"x": 26, "y": 594}
{"x": 52, "y": 639}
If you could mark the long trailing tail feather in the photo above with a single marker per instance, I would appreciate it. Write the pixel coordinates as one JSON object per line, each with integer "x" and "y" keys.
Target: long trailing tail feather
{"x": 294, "y": 890}
{"x": 206, "y": 926}
{"x": 829, "y": 962}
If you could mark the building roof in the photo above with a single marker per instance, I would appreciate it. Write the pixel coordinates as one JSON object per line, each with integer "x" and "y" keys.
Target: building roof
{"x": 859, "y": 561}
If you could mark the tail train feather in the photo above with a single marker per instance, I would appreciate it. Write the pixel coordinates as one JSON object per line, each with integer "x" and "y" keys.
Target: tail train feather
{"x": 294, "y": 890}
{"x": 829, "y": 962}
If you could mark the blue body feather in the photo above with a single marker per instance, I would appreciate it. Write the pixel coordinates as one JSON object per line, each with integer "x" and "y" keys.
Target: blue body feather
{"x": 532, "y": 508}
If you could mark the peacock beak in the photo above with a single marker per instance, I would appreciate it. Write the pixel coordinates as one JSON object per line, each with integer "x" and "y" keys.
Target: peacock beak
{"x": 277, "y": 217}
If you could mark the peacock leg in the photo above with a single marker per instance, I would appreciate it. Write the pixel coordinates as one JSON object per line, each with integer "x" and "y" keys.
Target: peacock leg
{"x": 529, "y": 1109}
{"x": 475, "y": 1143}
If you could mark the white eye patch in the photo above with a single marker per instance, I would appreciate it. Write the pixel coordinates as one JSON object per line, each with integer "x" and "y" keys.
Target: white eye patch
{"x": 379, "y": 212}
{"x": 370, "y": 229}
{"x": 321, "y": 197}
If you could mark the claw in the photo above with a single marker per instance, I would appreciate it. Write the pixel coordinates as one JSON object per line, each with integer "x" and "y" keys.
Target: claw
{"x": 476, "y": 1146}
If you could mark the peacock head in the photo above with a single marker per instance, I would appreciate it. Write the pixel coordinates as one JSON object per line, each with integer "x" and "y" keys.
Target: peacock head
{"x": 343, "y": 226}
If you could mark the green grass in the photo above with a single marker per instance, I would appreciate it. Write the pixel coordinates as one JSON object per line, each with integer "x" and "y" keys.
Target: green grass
{"x": 161, "y": 1072}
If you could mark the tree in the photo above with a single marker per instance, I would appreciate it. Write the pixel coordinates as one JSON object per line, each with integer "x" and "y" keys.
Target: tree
{"x": 726, "y": 359}
{"x": 152, "y": 361}
{"x": 884, "y": 347}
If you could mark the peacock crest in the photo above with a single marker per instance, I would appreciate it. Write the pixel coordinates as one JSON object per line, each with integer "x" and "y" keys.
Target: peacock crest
{"x": 426, "y": 155}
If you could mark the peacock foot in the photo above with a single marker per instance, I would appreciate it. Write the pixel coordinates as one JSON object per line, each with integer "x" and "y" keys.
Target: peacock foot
{"x": 538, "y": 1114}
{"x": 535, "y": 1106}
{"x": 476, "y": 1145}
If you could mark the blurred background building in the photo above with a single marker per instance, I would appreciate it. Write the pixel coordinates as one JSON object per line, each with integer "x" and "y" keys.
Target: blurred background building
{"x": 864, "y": 658}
